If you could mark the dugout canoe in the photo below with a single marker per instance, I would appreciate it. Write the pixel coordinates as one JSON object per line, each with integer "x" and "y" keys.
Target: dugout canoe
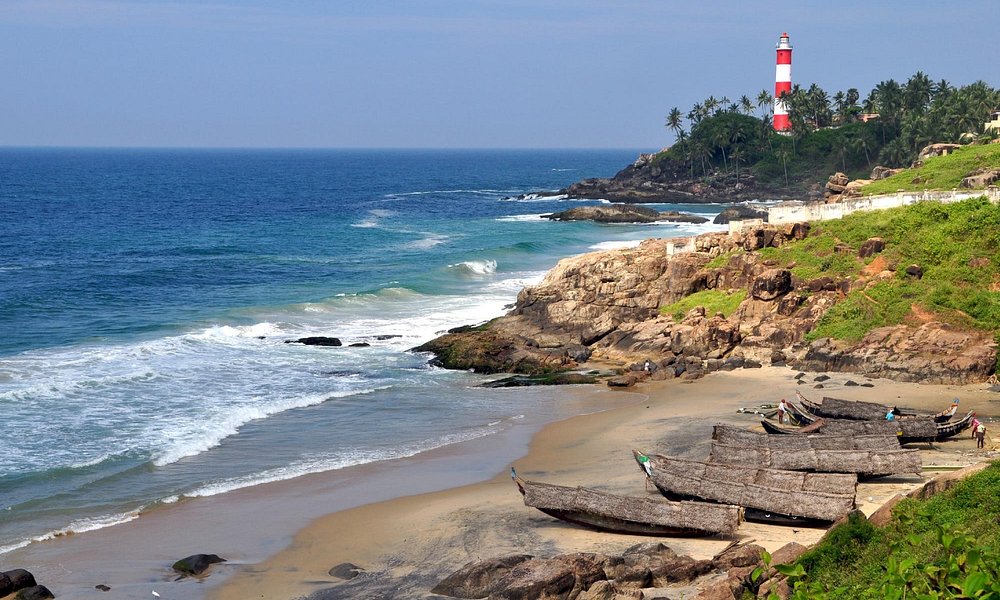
{"x": 629, "y": 515}
{"x": 768, "y": 495}
{"x": 837, "y": 408}
{"x": 909, "y": 430}
{"x": 867, "y": 456}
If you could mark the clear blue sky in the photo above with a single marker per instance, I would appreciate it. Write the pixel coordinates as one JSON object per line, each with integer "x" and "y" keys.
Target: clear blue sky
{"x": 443, "y": 73}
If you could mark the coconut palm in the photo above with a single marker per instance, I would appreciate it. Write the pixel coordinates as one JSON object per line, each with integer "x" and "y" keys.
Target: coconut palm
{"x": 674, "y": 120}
{"x": 764, "y": 102}
{"x": 746, "y": 104}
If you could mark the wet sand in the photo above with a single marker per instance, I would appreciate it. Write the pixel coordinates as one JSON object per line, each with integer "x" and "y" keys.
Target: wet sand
{"x": 408, "y": 544}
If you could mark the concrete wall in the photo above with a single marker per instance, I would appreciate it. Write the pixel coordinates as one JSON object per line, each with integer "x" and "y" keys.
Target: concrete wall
{"x": 796, "y": 212}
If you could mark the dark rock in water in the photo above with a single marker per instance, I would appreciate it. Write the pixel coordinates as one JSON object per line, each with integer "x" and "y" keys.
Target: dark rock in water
{"x": 549, "y": 379}
{"x": 36, "y": 592}
{"x": 466, "y": 328}
{"x": 623, "y": 213}
{"x": 316, "y": 341}
{"x": 196, "y": 564}
{"x": 346, "y": 571}
{"x": 800, "y": 375}
{"x": 739, "y": 213}
{"x": 17, "y": 579}
{"x": 388, "y": 336}
{"x": 359, "y": 345}
{"x": 102, "y": 587}
{"x": 819, "y": 378}
{"x": 477, "y": 579}
{"x": 850, "y": 383}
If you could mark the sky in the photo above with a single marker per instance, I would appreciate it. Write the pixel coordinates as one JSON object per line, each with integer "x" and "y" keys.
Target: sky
{"x": 444, "y": 73}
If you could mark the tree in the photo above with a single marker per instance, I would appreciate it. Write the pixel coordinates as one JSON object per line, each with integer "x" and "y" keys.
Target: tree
{"x": 746, "y": 104}
{"x": 764, "y": 102}
{"x": 674, "y": 120}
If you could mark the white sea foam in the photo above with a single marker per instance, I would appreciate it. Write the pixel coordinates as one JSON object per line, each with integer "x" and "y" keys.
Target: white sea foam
{"x": 427, "y": 242}
{"x": 321, "y": 464}
{"x": 79, "y": 526}
{"x": 616, "y": 245}
{"x": 532, "y": 218}
{"x": 206, "y": 434}
{"x": 475, "y": 267}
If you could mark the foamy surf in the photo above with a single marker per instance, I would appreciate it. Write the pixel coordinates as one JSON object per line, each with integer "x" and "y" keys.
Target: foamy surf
{"x": 475, "y": 267}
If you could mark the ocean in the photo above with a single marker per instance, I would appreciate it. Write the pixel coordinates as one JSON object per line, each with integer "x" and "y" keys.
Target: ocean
{"x": 146, "y": 297}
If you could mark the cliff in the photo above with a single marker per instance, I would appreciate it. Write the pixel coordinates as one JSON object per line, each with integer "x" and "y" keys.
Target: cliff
{"x": 606, "y": 307}
{"x": 660, "y": 178}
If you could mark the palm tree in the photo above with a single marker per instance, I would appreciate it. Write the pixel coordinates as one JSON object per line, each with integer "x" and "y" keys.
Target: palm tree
{"x": 746, "y": 104}
{"x": 764, "y": 101}
{"x": 840, "y": 106}
{"x": 783, "y": 155}
{"x": 674, "y": 120}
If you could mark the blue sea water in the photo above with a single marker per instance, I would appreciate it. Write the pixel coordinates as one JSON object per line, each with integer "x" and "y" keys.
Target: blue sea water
{"x": 146, "y": 295}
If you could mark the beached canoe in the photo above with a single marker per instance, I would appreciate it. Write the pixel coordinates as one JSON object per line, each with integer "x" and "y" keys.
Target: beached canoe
{"x": 837, "y": 408}
{"x": 867, "y": 456}
{"x": 908, "y": 430}
{"x": 767, "y": 495}
{"x": 625, "y": 514}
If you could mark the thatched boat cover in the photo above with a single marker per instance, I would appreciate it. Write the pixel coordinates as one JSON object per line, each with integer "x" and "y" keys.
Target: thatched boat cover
{"x": 826, "y": 496}
{"x": 868, "y": 463}
{"x": 737, "y": 436}
{"x": 702, "y": 516}
{"x": 851, "y": 409}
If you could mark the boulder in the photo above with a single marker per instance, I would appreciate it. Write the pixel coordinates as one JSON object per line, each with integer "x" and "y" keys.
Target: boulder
{"x": 838, "y": 179}
{"x": 477, "y": 579}
{"x": 6, "y": 585}
{"x": 359, "y": 345}
{"x": 980, "y": 178}
{"x": 623, "y": 213}
{"x": 345, "y": 571}
{"x": 562, "y": 577}
{"x": 196, "y": 564}
{"x": 871, "y": 247}
{"x": 853, "y": 189}
{"x": 771, "y": 284}
{"x": 103, "y": 588}
{"x": 880, "y": 172}
{"x": 316, "y": 340}
{"x": 738, "y": 555}
{"x": 936, "y": 150}
{"x": 738, "y": 213}
{"x": 915, "y": 271}
{"x": 35, "y": 592}
{"x": 18, "y": 579}
{"x": 533, "y": 380}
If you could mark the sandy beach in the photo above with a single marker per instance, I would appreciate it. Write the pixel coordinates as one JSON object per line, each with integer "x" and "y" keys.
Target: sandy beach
{"x": 408, "y": 544}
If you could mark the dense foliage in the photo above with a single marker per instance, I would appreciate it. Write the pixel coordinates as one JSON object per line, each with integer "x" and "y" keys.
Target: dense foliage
{"x": 956, "y": 245}
{"x": 939, "y": 172}
{"x": 838, "y": 133}
{"x": 944, "y": 547}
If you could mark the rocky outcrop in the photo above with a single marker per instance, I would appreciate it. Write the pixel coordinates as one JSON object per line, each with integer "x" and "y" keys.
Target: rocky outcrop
{"x": 654, "y": 178}
{"x": 980, "y": 178}
{"x": 606, "y": 307}
{"x": 881, "y": 172}
{"x": 931, "y": 353}
{"x": 932, "y": 150}
{"x": 623, "y": 213}
{"x": 739, "y": 213}
{"x": 316, "y": 341}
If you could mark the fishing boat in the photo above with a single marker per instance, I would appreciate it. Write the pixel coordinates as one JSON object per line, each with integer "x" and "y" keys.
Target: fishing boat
{"x": 867, "y": 456}
{"x": 767, "y": 495}
{"x": 629, "y": 515}
{"x": 837, "y": 408}
{"x": 908, "y": 430}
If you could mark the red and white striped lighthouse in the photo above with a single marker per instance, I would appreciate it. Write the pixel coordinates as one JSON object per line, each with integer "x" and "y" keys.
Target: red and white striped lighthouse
{"x": 782, "y": 83}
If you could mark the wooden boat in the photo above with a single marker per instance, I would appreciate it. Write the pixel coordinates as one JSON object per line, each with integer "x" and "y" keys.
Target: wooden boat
{"x": 767, "y": 495}
{"x": 908, "y": 430}
{"x": 867, "y": 456}
{"x": 836, "y": 408}
{"x": 624, "y": 514}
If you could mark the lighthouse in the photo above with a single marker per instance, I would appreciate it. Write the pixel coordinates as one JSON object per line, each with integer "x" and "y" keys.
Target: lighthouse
{"x": 782, "y": 83}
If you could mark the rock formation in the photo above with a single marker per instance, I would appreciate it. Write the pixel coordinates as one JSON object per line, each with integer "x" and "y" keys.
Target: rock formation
{"x": 623, "y": 213}
{"x": 606, "y": 305}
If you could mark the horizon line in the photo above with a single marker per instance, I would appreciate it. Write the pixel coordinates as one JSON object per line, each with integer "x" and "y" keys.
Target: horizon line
{"x": 337, "y": 148}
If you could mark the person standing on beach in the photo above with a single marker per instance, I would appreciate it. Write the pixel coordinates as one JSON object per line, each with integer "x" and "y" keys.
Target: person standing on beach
{"x": 980, "y": 435}
{"x": 782, "y": 411}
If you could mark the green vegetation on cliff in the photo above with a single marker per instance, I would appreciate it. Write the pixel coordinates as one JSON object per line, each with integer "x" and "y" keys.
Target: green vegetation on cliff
{"x": 956, "y": 247}
{"x": 724, "y": 140}
{"x": 713, "y": 301}
{"x": 945, "y": 547}
{"x": 939, "y": 172}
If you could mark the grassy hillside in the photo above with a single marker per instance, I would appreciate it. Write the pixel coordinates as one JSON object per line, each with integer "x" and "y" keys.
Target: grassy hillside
{"x": 939, "y": 172}
{"x": 944, "y": 547}
{"x": 956, "y": 245}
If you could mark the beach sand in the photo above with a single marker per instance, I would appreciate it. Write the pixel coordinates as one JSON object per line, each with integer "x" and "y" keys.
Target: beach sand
{"x": 408, "y": 544}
